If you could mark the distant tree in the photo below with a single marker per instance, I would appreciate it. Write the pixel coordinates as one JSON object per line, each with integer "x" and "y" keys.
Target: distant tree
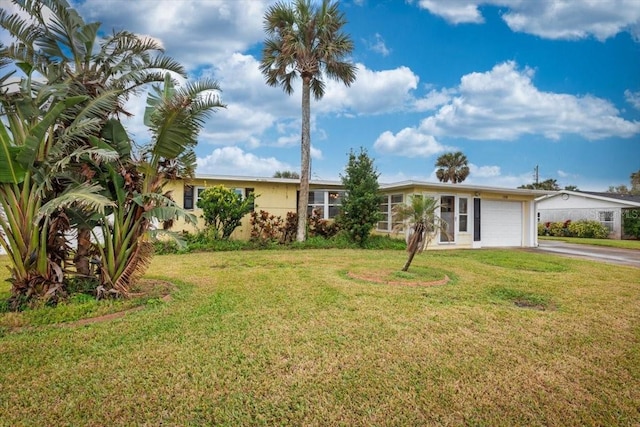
{"x": 571, "y": 188}
{"x": 618, "y": 189}
{"x": 286, "y": 174}
{"x": 548, "y": 184}
{"x": 423, "y": 222}
{"x": 361, "y": 204}
{"x": 635, "y": 182}
{"x": 452, "y": 167}
{"x": 223, "y": 209}
{"x": 304, "y": 40}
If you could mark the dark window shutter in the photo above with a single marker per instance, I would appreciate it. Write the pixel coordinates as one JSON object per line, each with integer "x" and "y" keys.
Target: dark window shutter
{"x": 476, "y": 220}
{"x": 188, "y": 197}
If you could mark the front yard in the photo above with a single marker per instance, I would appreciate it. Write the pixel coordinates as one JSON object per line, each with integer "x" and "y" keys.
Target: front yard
{"x": 290, "y": 337}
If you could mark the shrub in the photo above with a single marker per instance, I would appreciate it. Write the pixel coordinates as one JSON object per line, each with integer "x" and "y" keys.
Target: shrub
{"x": 319, "y": 227}
{"x": 543, "y": 229}
{"x": 588, "y": 229}
{"x": 164, "y": 247}
{"x": 290, "y": 228}
{"x": 223, "y": 209}
{"x": 266, "y": 227}
{"x": 557, "y": 229}
{"x": 631, "y": 222}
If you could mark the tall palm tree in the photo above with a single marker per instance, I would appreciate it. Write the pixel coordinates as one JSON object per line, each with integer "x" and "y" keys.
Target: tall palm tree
{"x": 304, "y": 40}
{"x": 420, "y": 216}
{"x": 452, "y": 167}
{"x": 51, "y": 38}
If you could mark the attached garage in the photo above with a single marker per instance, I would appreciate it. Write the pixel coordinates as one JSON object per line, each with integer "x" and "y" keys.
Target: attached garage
{"x": 501, "y": 223}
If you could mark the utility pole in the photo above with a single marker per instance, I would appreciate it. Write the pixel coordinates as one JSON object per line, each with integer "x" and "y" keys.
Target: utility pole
{"x": 535, "y": 174}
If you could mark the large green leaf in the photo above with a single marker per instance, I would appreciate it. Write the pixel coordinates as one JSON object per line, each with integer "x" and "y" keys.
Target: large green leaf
{"x": 10, "y": 170}
{"x": 27, "y": 155}
{"x": 116, "y": 135}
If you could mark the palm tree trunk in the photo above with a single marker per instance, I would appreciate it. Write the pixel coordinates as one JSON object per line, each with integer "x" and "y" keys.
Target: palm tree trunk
{"x": 415, "y": 243}
{"x": 305, "y": 167}
{"x": 81, "y": 259}
{"x": 412, "y": 253}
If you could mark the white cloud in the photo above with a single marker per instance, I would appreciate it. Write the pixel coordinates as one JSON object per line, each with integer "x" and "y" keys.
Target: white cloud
{"x": 553, "y": 19}
{"x": 632, "y": 98}
{"x": 235, "y": 161}
{"x": 483, "y": 171}
{"x": 409, "y": 142}
{"x": 503, "y": 104}
{"x": 379, "y": 46}
{"x": 433, "y": 100}
{"x": 236, "y": 124}
{"x": 316, "y": 153}
{"x": 373, "y": 92}
{"x": 454, "y": 11}
{"x": 193, "y": 31}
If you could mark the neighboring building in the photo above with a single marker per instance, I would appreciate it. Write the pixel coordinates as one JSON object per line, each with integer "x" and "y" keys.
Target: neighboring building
{"x": 477, "y": 216}
{"x": 607, "y": 208}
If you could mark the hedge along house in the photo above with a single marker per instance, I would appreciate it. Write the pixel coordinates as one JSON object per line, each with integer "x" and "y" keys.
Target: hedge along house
{"x": 476, "y": 216}
{"x": 609, "y": 209}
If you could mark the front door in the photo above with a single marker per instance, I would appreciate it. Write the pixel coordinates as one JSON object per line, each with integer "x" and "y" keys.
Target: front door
{"x": 447, "y": 214}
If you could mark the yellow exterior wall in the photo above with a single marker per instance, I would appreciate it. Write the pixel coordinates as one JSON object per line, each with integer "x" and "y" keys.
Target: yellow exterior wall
{"x": 277, "y": 198}
{"x": 465, "y": 239}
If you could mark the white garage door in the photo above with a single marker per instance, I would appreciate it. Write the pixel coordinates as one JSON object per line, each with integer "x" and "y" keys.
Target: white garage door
{"x": 501, "y": 223}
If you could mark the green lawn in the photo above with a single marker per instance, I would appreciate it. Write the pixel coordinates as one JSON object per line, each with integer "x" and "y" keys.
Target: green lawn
{"x": 288, "y": 337}
{"x": 622, "y": 244}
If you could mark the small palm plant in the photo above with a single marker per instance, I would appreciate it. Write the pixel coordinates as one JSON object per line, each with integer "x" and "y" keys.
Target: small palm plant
{"x": 423, "y": 223}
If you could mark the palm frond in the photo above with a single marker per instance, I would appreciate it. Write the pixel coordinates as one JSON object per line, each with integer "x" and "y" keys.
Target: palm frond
{"x": 85, "y": 196}
{"x": 19, "y": 28}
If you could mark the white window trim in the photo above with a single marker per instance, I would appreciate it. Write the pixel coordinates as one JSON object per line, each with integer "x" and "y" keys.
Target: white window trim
{"x": 389, "y": 213}
{"x": 325, "y": 202}
{"x": 611, "y": 225}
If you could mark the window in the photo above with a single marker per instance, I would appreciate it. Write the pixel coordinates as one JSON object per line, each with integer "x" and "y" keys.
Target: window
{"x": 188, "y": 197}
{"x": 247, "y": 192}
{"x": 606, "y": 219}
{"x": 387, "y": 207}
{"x": 199, "y": 191}
{"x": 191, "y": 196}
{"x": 463, "y": 213}
{"x": 447, "y": 215}
{"x": 325, "y": 203}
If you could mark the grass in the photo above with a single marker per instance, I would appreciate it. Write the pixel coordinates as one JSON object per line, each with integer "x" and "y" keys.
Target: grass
{"x": 284, "y": 337}
{"x": 621, "y": 244}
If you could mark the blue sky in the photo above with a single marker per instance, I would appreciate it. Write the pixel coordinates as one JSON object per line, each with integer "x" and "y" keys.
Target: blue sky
{"x": 511, "y": 83}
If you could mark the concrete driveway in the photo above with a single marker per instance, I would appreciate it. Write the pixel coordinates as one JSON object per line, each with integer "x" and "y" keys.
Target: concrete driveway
{"x": 628, "y": 257}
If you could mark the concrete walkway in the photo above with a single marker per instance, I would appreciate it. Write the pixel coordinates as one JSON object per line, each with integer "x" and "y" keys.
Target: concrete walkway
{"x": 628, "y": 257}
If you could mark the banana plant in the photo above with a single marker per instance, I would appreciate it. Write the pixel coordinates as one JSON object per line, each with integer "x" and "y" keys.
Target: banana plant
{"x": 30, "y": 155}
{"x": 175, "y": 117}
